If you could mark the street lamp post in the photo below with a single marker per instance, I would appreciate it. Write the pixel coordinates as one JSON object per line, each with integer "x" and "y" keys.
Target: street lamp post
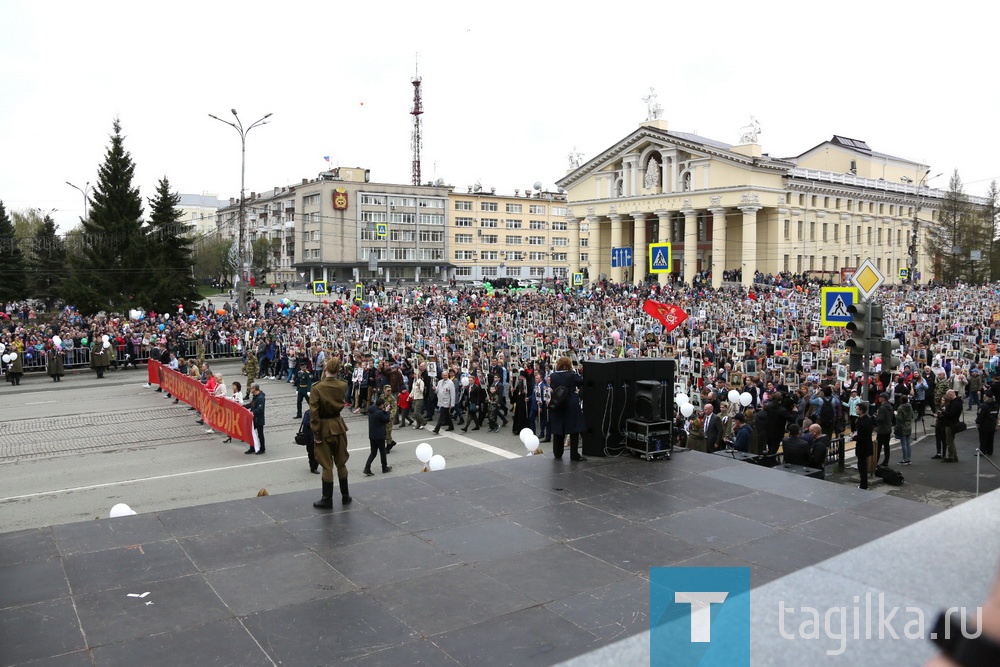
{"x": 83, "y": 191}
{"x": 914, "y": 241}
{"x": 241, "y": 288}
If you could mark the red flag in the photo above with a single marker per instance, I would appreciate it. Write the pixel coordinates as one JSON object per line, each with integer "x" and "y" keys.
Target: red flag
{"x": 669, "y": 315}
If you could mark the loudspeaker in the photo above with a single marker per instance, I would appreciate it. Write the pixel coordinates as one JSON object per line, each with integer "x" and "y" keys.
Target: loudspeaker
{"x": 609, "y": 397}
{"x": 648, "y": 400}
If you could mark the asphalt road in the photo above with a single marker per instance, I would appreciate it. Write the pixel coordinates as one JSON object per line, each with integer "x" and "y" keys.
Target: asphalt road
{"x": 72, "y": 450}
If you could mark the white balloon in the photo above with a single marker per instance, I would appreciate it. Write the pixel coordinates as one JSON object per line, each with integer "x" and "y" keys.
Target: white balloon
{"x": 525, "y": 432}
{"x": 465, "y": 382}
{"x": 105, "y": 338}
{"x": 734, "y": 396}
{"x": 436, "y": 462}
{"x": 106, "y": 345}
{"x": 121, "y": 509}
{"x": 531, "y": 442}
{"x": 681, "y": 398}
{"x": 13, "y": 356}
{"x": 56, "y": 340}
{"x": 424, "y": 452}
{"x": 687, "y": 409}
{"x": 2, "y": 348}
{"x": 746, "y": 399}
{"x": 6, "y": 358}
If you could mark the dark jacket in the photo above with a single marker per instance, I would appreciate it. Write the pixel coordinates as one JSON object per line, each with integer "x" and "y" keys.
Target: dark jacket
{"x": 795, "y": 451}
{"x": 742, "y": 440}
{"x": 570, "y": 418}
{"x": 883, "y": 419}
{"x": 256, "y": 406}
{"x": 713, "y": 434}
{"x": 863, "y": 436}
{"x": 952, "y": 412}
{"x": 987, "y": 414}
{"x": 377, "y": 419}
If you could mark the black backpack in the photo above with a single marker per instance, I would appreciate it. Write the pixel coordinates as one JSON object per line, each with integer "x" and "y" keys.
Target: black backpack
{"x": 559, "y": 398}
{"x": 889, "y": 475}
{"x": 827, "y": 413}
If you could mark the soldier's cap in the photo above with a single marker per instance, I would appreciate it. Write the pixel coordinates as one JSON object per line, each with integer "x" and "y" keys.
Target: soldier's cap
{"x": 333, "y": 366}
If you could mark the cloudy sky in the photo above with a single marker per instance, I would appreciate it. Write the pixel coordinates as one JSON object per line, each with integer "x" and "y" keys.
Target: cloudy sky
{"x": 510, "y": 88}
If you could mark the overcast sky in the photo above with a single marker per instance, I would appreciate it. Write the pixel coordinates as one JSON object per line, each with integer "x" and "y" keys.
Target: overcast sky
{"x": 509, "y": 88}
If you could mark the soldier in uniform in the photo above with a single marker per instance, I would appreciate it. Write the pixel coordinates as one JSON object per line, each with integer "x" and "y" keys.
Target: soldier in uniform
{"x": 100, "y": 358}
{"x": 54, "y": 366}
{"x": 326, "y": 402}
{"x": 391, "y": 406}
{"x": 200, "y": 349}
{"x": 251, "y": 370}
{"x": 16, "y": 368}
{"x": 303, "y": 384}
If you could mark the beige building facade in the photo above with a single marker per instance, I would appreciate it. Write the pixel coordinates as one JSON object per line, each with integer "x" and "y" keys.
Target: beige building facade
{"x": 733, "y": 208}
{"x": 520, "y": 236}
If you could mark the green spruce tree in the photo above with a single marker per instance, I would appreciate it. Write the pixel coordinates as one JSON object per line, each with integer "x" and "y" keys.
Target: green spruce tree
{"x": 47, "y": 265}
{"x": 171, "y": 249}
{"x": 110, "y": 271}
{"x": 12, "y": 283}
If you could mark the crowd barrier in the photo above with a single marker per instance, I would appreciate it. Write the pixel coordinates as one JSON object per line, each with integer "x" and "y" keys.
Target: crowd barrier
{"x": 79, "y": 357}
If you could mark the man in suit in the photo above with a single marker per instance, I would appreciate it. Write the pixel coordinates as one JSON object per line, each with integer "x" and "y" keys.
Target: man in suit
{"x": 713, "y": 429}
{"x": 326, "y": 402}
{"x": 794, "y": 449}
{"x": 863, "y": 442}
{"x": 256, "y": 406}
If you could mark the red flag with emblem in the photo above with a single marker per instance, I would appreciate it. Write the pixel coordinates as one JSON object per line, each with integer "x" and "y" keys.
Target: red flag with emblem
{"x": 669, "y": 315}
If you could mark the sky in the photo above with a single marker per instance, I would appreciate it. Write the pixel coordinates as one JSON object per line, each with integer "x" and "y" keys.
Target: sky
{"x": 509, "y": 88}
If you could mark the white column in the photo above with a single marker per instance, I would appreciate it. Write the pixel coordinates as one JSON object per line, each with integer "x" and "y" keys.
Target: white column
{"x": 749, "y": 262}
{"x": 690, "y": 244}
{"x": 627, "y": 178}
{"x": 718, "y": 245}
{"x": 616, "y": 242}
{"x": 664, "y": 216}
{"x": 673, "y": 176}
{"x": 639, "y": 262}
{"x": 665, "y": 175}
{"x": 574, "y": 246}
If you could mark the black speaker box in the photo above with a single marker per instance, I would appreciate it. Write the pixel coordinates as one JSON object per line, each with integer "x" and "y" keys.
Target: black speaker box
{"x": 609, "y": 398}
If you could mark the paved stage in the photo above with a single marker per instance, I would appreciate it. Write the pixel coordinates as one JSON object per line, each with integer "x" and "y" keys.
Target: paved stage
{"x": 526, "y": 561}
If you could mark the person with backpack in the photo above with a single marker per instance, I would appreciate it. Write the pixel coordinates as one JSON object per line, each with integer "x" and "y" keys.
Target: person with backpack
{"x": 904, "y": 427}
{"x": 827, "y": 410}
{"x": 565, "y": 410}
{"x": 883, "y": 428}
{"x": 986, "y": 423}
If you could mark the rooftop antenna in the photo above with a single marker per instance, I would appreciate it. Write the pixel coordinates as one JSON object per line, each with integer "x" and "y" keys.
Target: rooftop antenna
{"x": 416, "y": 141}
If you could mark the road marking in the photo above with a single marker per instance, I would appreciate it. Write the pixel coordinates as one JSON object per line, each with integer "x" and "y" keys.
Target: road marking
{"x": 40, "y": 402}
{"x": 298, "y": 459}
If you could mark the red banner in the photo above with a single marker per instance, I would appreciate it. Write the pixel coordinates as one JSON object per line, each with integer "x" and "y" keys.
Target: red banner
{"x": 669, "y": 315}
{"x": 222, "y": 414}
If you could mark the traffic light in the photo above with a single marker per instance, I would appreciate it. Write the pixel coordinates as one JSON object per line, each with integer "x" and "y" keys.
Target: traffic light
{"x": 890, "y": 362}
{"x": 876, "y": 328}
{"x": 857, "y": 344}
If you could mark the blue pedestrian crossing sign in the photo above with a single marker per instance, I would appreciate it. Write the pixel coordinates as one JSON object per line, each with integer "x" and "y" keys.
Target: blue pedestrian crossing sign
{"x": 381, "y": 230}
{"x": 834, "y": 302}
{"x": 578, "y": 279}
{"x": 621, "y": 257}
{"x": 660, "y": 260}
{"x": 904, "y": 274}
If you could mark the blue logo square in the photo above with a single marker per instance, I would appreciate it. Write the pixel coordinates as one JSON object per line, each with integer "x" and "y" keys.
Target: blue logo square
{"x": 699, "y": 616}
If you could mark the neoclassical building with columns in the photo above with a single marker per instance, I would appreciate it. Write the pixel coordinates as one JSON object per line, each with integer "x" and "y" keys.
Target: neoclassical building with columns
{"x": 734, "y": 207}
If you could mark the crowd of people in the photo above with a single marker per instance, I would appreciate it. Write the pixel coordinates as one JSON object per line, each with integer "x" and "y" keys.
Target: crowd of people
{"x": 498, "y": 350}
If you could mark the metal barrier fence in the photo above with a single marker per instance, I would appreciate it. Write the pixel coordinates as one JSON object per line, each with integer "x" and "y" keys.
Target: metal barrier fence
{"x": 79, "y": 357}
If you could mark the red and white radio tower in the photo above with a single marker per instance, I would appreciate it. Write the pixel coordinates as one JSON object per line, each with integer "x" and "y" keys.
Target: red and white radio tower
{"x": 416, "y": 140}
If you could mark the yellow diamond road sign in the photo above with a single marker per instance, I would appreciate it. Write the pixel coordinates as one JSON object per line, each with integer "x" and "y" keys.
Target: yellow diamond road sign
{"x": 867, "y": 278}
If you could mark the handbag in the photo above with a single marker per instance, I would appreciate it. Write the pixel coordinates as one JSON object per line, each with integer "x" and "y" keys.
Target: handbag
{"x": 958, "y": 427}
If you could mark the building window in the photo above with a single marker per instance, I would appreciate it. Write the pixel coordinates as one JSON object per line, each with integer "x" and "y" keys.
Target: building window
{"x": 431, "y": 219}
{"x": 812, "y": 230}
{"x": 463, "y": 205}
{"x": 310, "y": 200}
{"x": 515, "y": 256}
{"x": 373, "y": 200}
{"x": 536, "y": 240}
{"x": 403, "y": 218}
{"x": 315, "y": 253}
{"x": 463, "y": 238}
{"x": 559, "y": 271}
{"x": 787, "y": 229}
{"x": 430, "y": 203}
{"x": 536, "y": 271}
{"x": 869, "y": 236}
{"x": 465, "y": 254}
{"x": 584, "y": 242}
{"x": 800, "y": 230}
{"x": 463, "y": 271}
{"x": 409, "y": 202}
{"x": 536, "y": 209}
{"x": 560, "y": 241}
{"x": 368, "y": 235}
{"x": 536, "y": 224}
{"x": 560, "y": 211}
{"x": 463, "y": 222}
{"x": 559, "y": 226}
{"x": 373, "y": 216}
{"x": 489, "y": 222}
{"x": 786, "y": 264}
{"x": 513, "y": 224}
{"x": 513, "y": 271}
{"x": 560, "y": 257}
{"x": 536, "y": 256}
{"x": 488, "y": 206}
{"x": 401, "y": 235}
{"x": 489, "y": 239}
{"x": 489, "y": 271}
{"x": 315, "y": 235}
{"x": 431, "y": 237}
{"x": 836, "y": 232}
{"x": 824, "y": 231}
{"x": 490, "y": 254}
{"x": 431, "y": 253}
{"x": 404, "y": 253}
{"x": 513, "y": 208}
{"x": 513, "y": 240}
{"x": 379, "y": 253}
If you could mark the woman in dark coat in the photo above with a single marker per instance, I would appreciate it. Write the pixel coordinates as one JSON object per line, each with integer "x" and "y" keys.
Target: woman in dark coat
{"x": 568, "y": 420}
{"x": 520, "y": 397}
{"x": 54, "y": 366}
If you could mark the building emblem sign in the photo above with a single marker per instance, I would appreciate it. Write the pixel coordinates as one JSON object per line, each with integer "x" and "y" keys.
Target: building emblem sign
{"x": 340, "y": 199}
